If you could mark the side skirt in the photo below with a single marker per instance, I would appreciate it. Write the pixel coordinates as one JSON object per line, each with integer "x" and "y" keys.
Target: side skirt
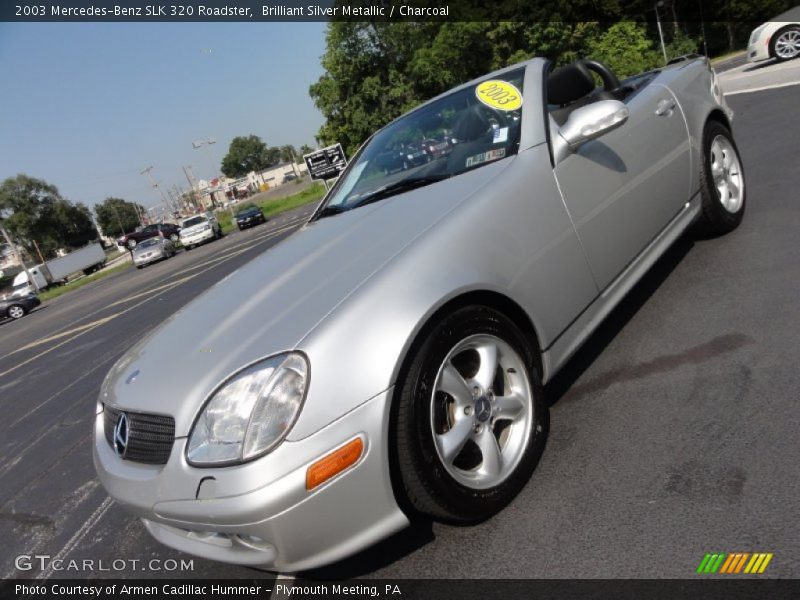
{"x": 560, "y": 351}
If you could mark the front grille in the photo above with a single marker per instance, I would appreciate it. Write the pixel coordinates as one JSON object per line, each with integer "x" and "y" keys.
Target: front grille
{"x": 150, "y": 437}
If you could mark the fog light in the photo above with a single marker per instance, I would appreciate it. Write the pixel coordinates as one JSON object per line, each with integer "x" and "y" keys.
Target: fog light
{"x": 253, "y": 542}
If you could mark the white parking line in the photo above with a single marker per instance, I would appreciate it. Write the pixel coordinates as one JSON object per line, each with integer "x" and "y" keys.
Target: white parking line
{"x": 282, "y": 579}
{"x": 763, "y": 88}
{"x": 77, "y": 538}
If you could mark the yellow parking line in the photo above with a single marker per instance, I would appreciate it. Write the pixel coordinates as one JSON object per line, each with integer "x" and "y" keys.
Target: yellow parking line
{"x": 58, "y": 336}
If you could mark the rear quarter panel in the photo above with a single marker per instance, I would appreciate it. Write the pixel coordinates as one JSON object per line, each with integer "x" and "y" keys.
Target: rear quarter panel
{"x": 693, "y": 82}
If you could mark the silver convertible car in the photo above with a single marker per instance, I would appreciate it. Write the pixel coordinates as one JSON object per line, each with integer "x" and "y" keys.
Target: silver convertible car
{"x": 386, "y": 361}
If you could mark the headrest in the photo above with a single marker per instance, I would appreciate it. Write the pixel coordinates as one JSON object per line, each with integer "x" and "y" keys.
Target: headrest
{"x": 569, "y": 83}
{"x": 471, "y": 124}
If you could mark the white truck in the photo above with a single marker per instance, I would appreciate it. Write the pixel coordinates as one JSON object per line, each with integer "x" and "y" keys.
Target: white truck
{"x": 88, "y": 259}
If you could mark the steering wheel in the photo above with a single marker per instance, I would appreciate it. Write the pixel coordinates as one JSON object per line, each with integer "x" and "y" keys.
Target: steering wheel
{"x": 610, "y": 80}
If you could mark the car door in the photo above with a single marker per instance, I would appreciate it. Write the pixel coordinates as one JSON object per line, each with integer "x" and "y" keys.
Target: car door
{"x": 623, "y": 188}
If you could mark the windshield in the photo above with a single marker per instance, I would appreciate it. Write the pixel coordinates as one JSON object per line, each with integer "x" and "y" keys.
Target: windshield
{"x": 194, "y": 221}
{"x": 148, "y": 243}
{"x": 246, "y": 212}
{"x": 21, "y": 286}
{"x": 464, "y": 130}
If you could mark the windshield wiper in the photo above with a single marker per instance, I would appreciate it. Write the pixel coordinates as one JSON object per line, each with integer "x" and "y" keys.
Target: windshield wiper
{"x": 331, "y": 209}
{"x": 404, "y": 185}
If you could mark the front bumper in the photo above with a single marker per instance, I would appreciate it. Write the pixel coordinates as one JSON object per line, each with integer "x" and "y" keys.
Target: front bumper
{"x": 146, "y": 259}
{"x": 758, "y": 51}
{"x": 245, "y": 223}
{"x": 198, "y": 237}
{"x": 260, "y": 513}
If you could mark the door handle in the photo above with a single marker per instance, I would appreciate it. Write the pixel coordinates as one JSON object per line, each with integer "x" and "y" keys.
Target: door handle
{"x": 665, "y": 107}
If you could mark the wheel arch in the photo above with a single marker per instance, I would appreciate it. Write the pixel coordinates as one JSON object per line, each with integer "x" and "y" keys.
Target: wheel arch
{"x": 718, "y": 115}
{"x": 481, "y": 297}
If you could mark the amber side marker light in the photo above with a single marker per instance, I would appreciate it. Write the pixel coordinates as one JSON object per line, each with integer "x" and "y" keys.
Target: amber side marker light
{"x": 334, "y": 463}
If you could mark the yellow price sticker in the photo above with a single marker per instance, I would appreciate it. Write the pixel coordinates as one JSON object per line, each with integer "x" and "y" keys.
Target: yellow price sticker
{"x": 499, "y": 94}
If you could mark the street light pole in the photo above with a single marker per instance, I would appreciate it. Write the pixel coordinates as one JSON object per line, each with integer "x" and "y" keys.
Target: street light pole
{"x": 660, "y": 32}
{"x": 197, "y": 144}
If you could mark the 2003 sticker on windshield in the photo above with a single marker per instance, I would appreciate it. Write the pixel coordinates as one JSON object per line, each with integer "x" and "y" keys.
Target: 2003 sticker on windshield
{"x": 499, "y": 94}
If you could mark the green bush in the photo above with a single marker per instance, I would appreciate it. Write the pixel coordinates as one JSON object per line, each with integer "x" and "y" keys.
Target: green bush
{"x": 625, "y": 48}
{"x": 680, "y": 45}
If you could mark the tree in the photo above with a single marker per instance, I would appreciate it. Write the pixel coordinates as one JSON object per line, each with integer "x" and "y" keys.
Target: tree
{"x": 288, "y": 153}
{"x": 37, "y": 215}
{"x": 625, "y": 48}
{"x": 247, "y": 154}
{"x": 117, "y": 217}
{"x": 304, "y": 149}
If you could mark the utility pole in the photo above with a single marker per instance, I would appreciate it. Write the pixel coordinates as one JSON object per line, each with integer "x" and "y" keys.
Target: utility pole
{"x": 154, "y": 184}
{"x": 191, "y": 187}
{"x": 39, "y": 252}
{"x": 17, "y": 256}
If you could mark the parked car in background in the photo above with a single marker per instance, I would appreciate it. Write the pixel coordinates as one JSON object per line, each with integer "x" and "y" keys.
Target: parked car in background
{"x": 168, "y": 230}
{"x": 249, "y": 216}
{"x": 198, "y": 229}
{"x": 778, "y": 38}
{"x": 151, "y": 250}
{"x": 18, "y": 307}
{"x": 387, "y": 360}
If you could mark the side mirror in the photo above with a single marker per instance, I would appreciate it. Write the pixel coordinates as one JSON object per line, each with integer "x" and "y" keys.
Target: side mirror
{"x": 591, "y": 121}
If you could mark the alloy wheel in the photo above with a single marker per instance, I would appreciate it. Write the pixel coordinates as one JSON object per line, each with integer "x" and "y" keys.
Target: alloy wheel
{"x": 726, "y": 171}
{"x": 787, "y": 45}
{"x": 15, "y": 312}
{"x": 482, "y": 411}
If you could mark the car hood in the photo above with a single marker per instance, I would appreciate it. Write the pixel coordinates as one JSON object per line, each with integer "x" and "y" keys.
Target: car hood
{"x": 145, "y": 249}
{"x": 269, "y": 305}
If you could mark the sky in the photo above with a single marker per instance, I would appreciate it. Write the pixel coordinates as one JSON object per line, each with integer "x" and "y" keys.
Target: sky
{"x": 88, "y": 106}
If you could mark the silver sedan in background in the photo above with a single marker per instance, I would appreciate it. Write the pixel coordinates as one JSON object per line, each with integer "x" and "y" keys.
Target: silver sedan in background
{"x": 151, "y": 250}
{"x": 386, "y": 361}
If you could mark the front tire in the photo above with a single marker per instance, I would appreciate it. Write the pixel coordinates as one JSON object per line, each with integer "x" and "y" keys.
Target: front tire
{"x": 785, "y": 44}
{"x": 722, "y": 182}
{"x": 470, "y": 422}
{"x": 15, "y": 311}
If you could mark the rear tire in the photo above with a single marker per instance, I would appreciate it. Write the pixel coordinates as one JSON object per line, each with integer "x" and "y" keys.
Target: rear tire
{"x": 493, "y": 456}
{"x": 722, "y": 182}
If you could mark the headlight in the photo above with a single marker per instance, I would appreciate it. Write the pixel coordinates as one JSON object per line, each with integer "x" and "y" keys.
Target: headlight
{"x": 251, "y": 413}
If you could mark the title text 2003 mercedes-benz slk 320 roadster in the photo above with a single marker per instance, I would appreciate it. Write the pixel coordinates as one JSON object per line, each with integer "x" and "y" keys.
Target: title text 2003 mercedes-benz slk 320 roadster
{"x": 387, "y": 360}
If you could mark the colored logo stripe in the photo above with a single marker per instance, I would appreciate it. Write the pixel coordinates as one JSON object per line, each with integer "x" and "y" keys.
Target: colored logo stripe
{"x": 734, "y": 562}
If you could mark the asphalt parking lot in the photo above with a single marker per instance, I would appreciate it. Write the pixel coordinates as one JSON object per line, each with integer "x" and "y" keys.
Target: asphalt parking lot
{"x": 673, "y": 432}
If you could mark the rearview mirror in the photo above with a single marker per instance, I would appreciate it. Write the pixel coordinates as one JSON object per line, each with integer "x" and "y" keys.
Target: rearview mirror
{"x": 593, "y": 120}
